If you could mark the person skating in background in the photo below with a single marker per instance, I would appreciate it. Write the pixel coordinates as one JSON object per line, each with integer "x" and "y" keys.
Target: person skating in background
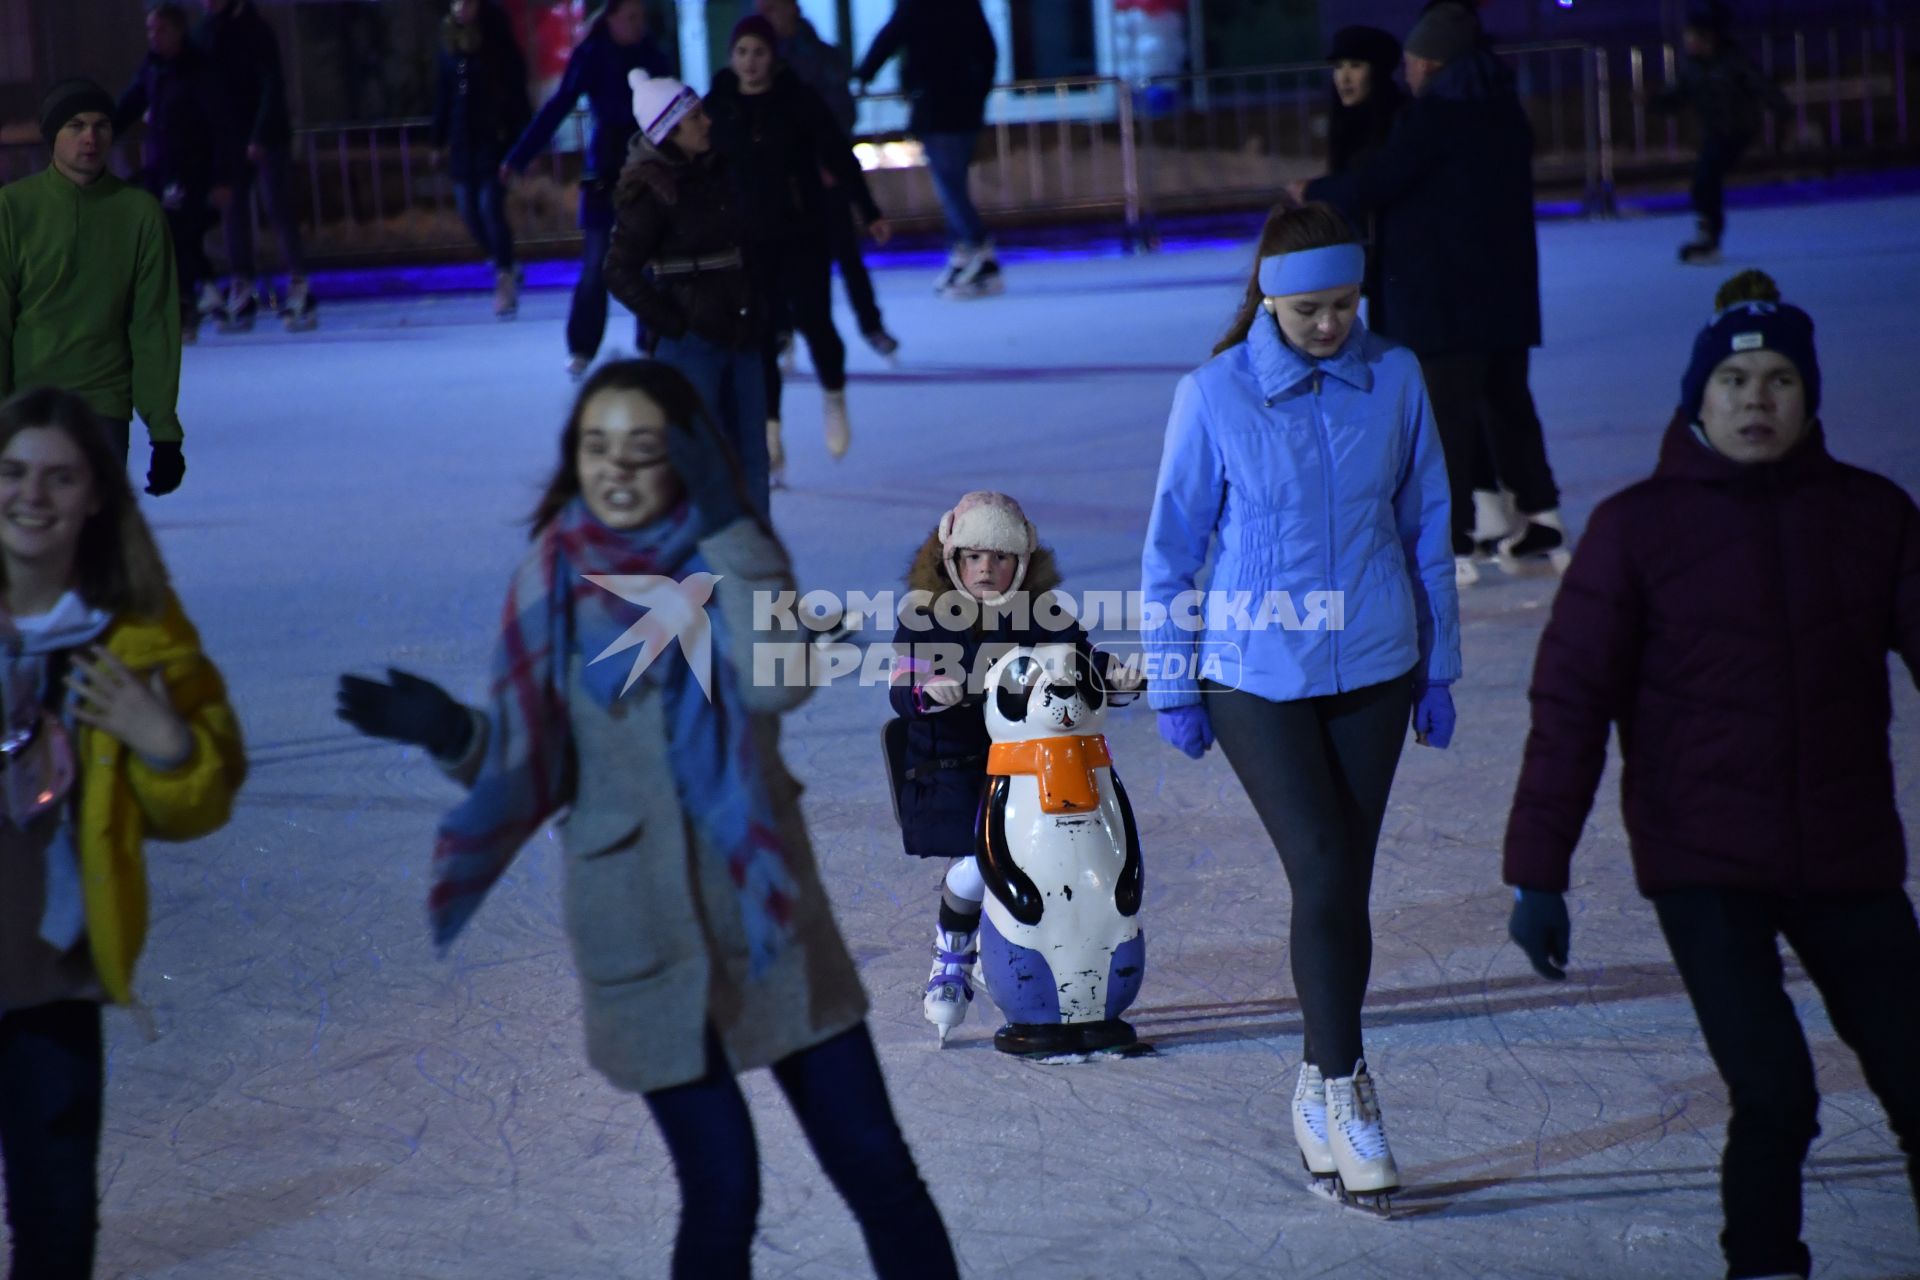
{"x": 1452, "y": 197}
{"x": 948, "y": 70}
{"x": 1366, "y": 102}
{"x": 255, "y": 146}
{"x": 826, "y": 70}
{"x": 1305, "y": 454}
{"x": 703, "y": 937}
{"x": 118, "y": 732}
{"x": 175, "y": 97}
{"x": 89, "y": 298}
{"x": 777, "y": 138}
{"x": 987, "y": 548}
{"x": 1730, "y": 100}
{"x": 678, "y": 261}
{"x": 1733, "y": 614}
{"x": 480, "y": 108}
{"x": 615, "y": 46}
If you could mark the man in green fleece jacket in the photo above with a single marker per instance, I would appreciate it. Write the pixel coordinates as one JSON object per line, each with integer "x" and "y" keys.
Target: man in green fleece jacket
{"x": 89, "y": 301}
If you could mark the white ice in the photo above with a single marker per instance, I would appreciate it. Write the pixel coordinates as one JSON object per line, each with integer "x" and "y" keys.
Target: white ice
{"x": 328, "y": 1100}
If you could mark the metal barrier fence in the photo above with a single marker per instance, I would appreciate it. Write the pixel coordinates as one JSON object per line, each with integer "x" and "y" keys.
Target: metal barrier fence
{"x": 1099, "y": 146}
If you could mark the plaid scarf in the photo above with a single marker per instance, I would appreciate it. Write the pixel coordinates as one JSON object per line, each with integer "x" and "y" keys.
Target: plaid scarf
{"x": 553, "y": 614}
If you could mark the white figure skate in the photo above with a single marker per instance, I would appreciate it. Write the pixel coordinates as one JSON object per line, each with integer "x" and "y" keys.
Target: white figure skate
{"x": 1366, "y": 1175}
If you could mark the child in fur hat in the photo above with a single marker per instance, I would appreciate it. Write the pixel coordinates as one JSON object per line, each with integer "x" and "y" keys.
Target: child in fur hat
{"x": 1733, "y": 614}
{"x": 986, "y": 549}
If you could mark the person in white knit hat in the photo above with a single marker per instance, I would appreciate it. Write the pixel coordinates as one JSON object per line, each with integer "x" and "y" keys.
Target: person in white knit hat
{"x": 986, "y": 549}
{"x": 678, "y": 262}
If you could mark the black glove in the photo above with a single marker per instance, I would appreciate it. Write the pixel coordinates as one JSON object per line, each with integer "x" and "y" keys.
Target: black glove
{"x": 1540, "y": 927}
{"x": 703, "y": 468}
{"x": 408, "y": 710}
{"x": 167, "y": 468}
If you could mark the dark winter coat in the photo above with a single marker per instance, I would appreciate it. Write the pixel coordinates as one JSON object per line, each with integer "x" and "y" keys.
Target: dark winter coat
{"x": 672, "y": 209}
{"x": 1727, "y": 92}
{"x": 1734, "y": 621}
{"x": 179, "y": 101}
{"x": 776, "y": 143}
{"x": 1354, "y": 134}
{"x": 244, "y": 56}
{"x": 939, "y": 807}
{"x": 598, "y": 68}
{"x": 823, "y": 69}
{"x": 950, "y": 62}
{"x": 1452, "y": 193}
{"x": 480, "y": 101}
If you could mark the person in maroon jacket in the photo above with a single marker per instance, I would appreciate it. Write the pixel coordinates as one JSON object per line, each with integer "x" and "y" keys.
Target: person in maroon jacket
{"x": 1732, "y": 614}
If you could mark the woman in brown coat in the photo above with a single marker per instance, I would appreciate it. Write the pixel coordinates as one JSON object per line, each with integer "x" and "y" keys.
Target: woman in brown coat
{"x": 702, "y": 935}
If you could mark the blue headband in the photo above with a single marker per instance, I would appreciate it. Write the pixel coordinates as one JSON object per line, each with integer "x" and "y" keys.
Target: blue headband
{"x": 1311, "y": 270}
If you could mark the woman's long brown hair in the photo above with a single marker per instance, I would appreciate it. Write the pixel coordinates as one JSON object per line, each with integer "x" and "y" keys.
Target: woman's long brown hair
{"x": 1289, "y": 229}
{"x": 117, "y": 566}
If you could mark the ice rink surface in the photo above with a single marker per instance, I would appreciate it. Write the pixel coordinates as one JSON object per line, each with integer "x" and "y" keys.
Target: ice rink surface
{"x": 327, "y": 1099}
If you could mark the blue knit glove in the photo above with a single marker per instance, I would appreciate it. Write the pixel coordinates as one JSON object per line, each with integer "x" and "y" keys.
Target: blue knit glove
{"x": 1433, "y": 715}
{"x": 1540, "y": 927}
{"x": 1187, "y": 728}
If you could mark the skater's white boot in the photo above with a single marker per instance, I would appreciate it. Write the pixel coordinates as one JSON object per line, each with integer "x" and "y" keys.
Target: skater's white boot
{"x": 1310, "y": 1122}
{"x": 839, "y": 429}
{"x": 211, "y": 301}
{"x": 1465, "y": 572}
{"x": 298, "y": 312}
{"x": 980, "y": 277}
{"x": 957, "y": 261}
{"x": 506, "y": 292}
{"x": 1494, "y": 517}
{"x": 1359, "y": 1141}
{"x": 950, "y": 986}
{"x": 1540, "y": 537}
{"x": 776, "y": 455}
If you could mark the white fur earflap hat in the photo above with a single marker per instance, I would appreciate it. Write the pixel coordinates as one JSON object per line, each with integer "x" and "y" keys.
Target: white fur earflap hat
{"x": 659, "y": 103}
{"x": 987, "y": 521}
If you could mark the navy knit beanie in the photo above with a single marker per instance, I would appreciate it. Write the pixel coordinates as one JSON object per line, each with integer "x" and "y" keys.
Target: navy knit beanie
{"x": 1751, "y": 318}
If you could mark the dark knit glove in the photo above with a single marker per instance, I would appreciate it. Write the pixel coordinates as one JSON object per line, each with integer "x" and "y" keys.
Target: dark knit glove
{"x": 409, "y": 710}
{"x": 707, "y": 476}
{"x": 166, "y": 468}
{"x": 1540, "y": 927}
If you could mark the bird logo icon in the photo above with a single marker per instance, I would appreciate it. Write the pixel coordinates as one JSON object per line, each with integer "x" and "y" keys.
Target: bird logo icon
{"x": 676, "y": 610}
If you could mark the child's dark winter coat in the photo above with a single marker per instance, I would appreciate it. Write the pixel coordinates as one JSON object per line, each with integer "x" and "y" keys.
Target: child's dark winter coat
{"x": 1735, "y": 621}
{"x": 939, "y": 804}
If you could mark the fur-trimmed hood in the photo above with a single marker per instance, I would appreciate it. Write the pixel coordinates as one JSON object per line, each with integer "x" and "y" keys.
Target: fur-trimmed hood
{"x": 926, "y": 574}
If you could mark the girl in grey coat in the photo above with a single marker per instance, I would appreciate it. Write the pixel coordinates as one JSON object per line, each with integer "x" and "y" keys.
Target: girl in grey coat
{"x": 703, "y": 938}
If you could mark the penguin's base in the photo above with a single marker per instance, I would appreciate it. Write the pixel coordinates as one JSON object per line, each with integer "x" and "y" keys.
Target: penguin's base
{"x": 1052, "y": 1039}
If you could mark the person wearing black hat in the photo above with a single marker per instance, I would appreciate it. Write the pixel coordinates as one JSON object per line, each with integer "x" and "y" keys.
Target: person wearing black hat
{"x": 1366, "y": 101}
{"x": 1732, "y": 614}
{"x": 1451, "y": 193}
{"x": 89, "y": 301}
{"x": 1731, "y": 98}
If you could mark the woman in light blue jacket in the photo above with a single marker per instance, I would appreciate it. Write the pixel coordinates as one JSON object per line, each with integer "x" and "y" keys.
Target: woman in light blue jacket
{"x": 1304, "y": 453}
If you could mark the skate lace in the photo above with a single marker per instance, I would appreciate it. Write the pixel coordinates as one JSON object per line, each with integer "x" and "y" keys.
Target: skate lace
{"x": 1359, "y": 1118}
{"x": 953, "y": 956}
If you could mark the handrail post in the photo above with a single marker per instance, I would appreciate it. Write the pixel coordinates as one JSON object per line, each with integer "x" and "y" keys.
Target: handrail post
{"x": 1129, "y": 167}
{"x": 1600, "y": 140}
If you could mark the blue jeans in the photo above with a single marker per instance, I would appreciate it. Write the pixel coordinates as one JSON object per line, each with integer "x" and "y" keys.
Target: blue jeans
{"x": 948, "y": 157}
{"x": 587, "y": 317}
{"x": 52, "y": 1076}
{"x": 840, "y": 1099}
{"x": 272, "y": 172}
{"x": 733, "y": 386}
{"x": 483, "y": 206}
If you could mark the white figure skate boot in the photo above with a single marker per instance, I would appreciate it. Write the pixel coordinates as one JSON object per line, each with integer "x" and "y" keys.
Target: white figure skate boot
{"x": 950, "y": 986}
{"x": 1366, "y": 1171}
{"x": 1465, "y": 572}
{"x": 1310, "y": 1128}
{"x": 839, "y": 429}
{"x": 776, "y": 456}
{"x": 1494, "y": 517}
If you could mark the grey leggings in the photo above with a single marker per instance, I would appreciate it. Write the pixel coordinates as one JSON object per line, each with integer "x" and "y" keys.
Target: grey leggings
{"x": 1318, "y": 771}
